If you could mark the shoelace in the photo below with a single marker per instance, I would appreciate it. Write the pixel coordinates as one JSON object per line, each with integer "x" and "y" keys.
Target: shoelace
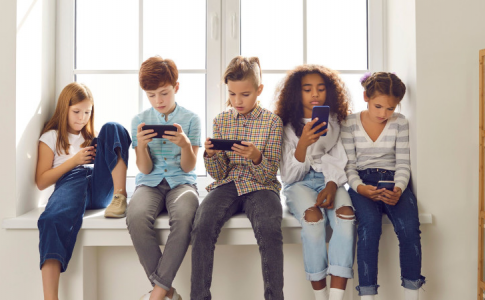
{"x": 116, "y": 200}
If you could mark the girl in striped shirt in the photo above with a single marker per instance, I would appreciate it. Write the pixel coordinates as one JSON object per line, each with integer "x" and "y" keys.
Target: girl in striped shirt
{"x": 376, "y": 141}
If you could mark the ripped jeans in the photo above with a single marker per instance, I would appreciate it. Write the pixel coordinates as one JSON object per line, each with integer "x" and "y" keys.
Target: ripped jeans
{"x": 404, "y": 218}
{"x": 302, "y": 195}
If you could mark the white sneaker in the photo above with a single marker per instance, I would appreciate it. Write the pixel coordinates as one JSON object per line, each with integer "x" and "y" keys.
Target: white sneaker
{"x": 175, "y": 296}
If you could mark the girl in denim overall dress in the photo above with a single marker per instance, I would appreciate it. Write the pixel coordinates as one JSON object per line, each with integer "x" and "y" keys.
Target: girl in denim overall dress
{"x": 65, "y": 159}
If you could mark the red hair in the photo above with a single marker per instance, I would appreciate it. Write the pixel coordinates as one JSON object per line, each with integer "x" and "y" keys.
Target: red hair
{"x": 156, "y": 72}
{"x": 72, "y": 94}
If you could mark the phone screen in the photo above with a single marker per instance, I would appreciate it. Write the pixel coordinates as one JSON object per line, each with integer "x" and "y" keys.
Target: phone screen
{"x": 322, "y": 113}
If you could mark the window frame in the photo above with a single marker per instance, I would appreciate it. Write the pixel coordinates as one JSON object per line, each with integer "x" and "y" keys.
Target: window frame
{"x": 222, "y": 44}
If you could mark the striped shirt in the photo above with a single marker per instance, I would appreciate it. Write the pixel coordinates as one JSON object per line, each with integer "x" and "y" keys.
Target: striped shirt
{"x": 261, "y": 127}
{"x": 390, "y": 151}
{"x": 166, "y": 155}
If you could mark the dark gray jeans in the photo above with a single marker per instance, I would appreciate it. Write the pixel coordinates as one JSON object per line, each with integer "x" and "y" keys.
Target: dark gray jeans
{"x": 264, "y": 210}
{"x": 145, "y": 205}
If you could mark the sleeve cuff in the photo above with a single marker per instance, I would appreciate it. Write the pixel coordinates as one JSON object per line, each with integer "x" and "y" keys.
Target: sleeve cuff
{"x": 400, "y": 185}
{"x": 356, "y": 184}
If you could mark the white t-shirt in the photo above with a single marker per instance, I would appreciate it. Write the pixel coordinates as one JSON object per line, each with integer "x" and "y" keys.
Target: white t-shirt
{"x": 50, "y": 139}
{"x": 327, "y": 155}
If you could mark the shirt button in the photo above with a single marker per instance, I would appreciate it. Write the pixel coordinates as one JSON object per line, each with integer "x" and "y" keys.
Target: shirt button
{"x": 165, "y": 170}
{"x": 164, "y": 142}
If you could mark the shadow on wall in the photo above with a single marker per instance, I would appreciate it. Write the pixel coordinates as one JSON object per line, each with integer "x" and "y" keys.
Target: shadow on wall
{"x": 35, "y": 94}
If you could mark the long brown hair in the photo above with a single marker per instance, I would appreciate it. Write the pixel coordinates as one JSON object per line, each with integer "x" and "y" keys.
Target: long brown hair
{"x": 289, "y": 105}
{"x": 241, "y": 68}
{"x": 72, "y": 94}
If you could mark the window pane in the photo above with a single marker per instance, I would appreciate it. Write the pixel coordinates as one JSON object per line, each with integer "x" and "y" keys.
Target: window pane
{"x": 175, "y": 30}
{"x": 115, "y": 100}
{"x": 352, "y": 82}
{"x": 191, "y": 95}
{"x": 106, "y": 34}
{"x": 273, "y": 31}
{"x": 270, "y": 82}
{"x": 337, "y": 34}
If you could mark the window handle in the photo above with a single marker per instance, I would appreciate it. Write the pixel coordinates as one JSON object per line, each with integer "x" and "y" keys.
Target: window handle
{"x": 214, "y": 26}
{"x": 233, "y": 30}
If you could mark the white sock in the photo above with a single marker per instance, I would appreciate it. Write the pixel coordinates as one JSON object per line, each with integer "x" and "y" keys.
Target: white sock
{"x": 321, "y": 294}
{"x": 411, "y": 294}
{"x": 367, "y": 297}
{"x": 336, "y": 294}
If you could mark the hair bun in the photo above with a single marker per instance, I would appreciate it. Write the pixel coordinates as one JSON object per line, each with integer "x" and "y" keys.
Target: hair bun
{"x": 365, "y": 77}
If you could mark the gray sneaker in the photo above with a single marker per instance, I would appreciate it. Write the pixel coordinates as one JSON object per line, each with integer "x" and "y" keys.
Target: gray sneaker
{"x": 117, "y": 207}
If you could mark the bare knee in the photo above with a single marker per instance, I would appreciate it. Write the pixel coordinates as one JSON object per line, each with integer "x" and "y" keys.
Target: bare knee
{"x": 345, "y": 213}
{"x": 313, "y": 214}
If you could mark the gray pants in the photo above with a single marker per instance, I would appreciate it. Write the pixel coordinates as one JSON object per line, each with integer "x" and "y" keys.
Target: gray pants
{"x": 145, "y": 205}
{"x": 264, "y": 211}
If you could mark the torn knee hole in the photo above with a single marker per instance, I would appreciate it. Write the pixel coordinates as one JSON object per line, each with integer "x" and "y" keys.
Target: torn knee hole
{"x": 312, "y": 215}
{"x": 345, "y": 213}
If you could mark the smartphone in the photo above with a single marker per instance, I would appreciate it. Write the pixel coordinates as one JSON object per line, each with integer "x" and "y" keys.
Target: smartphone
{"x": 93, "y": 144}
{"x": 160, "y": 129}
{"x": 388, "y": 185}
{"x": 322, "y": 113}
{"x": 226, "y": 145}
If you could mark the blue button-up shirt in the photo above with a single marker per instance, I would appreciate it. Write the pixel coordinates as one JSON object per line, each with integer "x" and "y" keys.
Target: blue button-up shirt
{"x": 166, "y": 155}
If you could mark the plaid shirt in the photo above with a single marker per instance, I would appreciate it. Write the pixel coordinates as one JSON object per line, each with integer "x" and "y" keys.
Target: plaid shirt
{"x": 261, "y": 127}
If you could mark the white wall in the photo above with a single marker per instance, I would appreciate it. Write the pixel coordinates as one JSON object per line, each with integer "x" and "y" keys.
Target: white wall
{"x": 448, "y": 40}
{"x": 433, "y": 45}
{"x": 27, "y": 60}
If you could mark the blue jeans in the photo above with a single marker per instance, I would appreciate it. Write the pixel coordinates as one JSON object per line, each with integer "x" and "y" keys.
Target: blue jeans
{"x": 404, "y": 218}
{"x": 302, "y": 195}
{"x": 84, "y": 187}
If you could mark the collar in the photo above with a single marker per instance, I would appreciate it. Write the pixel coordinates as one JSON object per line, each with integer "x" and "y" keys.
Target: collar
{"x": 170, "y": 116}
{"x": 254, "y": 114}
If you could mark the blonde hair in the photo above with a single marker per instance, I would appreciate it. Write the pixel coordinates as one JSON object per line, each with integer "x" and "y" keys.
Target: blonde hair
{"x": 242, "y": 68}
{"x": 72, "y": 94}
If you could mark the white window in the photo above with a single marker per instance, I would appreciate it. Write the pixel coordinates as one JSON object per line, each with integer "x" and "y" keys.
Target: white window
{"x": 103, "y": 43}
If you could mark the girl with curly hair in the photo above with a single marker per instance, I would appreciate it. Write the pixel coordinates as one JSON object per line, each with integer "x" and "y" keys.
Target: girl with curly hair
{"x": 377, "y": 144}
{"x": 312, "y": 171}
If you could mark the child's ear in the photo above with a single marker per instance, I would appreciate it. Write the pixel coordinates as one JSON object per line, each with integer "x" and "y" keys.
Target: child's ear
{"x": 366, "y": 99}
{"x": 176, "y": 87}
{"x": 260, "y": 89}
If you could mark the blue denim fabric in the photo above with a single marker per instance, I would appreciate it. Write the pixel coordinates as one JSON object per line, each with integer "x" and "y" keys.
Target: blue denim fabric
{"x": 302, "y": 195}
{"x": 84, "y": 187}
{"x": 404, "y": 218}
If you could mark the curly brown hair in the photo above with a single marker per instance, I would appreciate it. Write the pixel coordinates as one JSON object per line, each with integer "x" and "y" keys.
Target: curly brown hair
{"x": 289, "y": 105}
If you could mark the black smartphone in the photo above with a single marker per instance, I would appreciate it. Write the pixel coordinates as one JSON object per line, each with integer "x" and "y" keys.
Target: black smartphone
{"x": 322, "y": 113}
{"x": 93, "y": 144}
{"x": 388, "y": 185}
{"x": 160, "y": 129}
{"x": 226, "y": 145}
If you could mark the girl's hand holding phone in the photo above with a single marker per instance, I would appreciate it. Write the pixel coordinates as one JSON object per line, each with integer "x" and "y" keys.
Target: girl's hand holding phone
{"x": 144, "y": 136}
{"x": 84, "y": 156}
{"x": 178, "y": 137}
{"x": 391, "y": 197}
{"x": 370, "y": 192}
{"x": 327, "y": 193}
{"x": 208, "y": 145}
{"x": 308, "y": 135}
{"x": 248, "y": 151}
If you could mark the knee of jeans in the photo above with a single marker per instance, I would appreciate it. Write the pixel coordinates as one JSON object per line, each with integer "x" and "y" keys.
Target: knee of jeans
{"x": 345, "y": 213}
{"x": 313, "y": 215}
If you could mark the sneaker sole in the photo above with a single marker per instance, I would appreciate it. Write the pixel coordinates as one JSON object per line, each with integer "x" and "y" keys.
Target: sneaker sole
{"x": 111, "y": 215}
